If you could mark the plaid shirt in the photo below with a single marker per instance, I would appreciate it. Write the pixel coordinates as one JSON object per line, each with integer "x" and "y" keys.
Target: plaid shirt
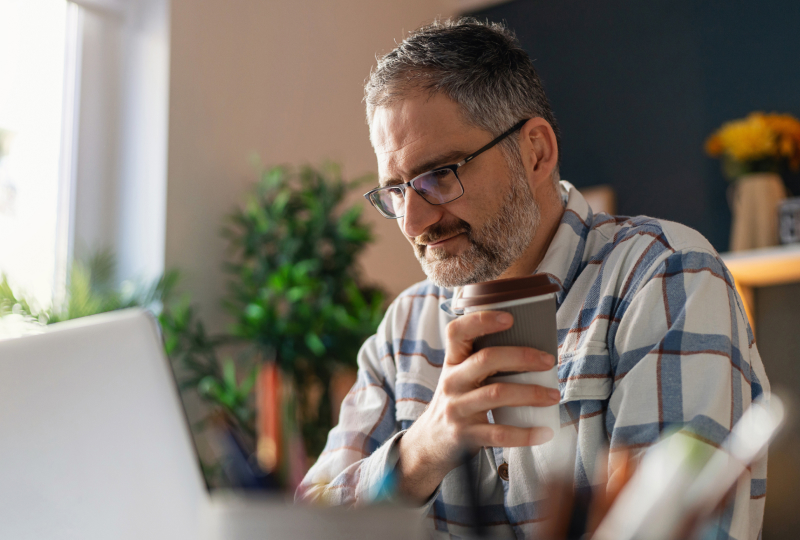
{"x": 651, "y": 334}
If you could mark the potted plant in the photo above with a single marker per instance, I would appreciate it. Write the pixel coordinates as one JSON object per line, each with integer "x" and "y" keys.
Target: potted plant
{"x": 296, "y": 291}
{"x": 297, "y": 298}
{"x": 755, "y": 151}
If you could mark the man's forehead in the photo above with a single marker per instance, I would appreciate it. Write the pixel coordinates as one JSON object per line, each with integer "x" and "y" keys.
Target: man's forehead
{"x": 405, "y": 122}
{"x": 393, "y": 132}
{"x": 414, "y": 130}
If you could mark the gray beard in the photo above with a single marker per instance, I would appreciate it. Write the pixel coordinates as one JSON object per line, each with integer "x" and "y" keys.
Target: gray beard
{"x": 493, "y": 248}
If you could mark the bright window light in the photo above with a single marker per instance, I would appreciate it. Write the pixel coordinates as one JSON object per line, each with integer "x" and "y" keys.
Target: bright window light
{"x": 32, "y": 58}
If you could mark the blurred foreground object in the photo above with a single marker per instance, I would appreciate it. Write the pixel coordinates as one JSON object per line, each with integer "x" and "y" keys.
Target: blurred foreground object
{"x": 755, "y": 151}
{"x": 682, "y": 479}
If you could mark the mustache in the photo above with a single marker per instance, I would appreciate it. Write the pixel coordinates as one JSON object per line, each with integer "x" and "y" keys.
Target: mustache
{"x": 438, "y": 232}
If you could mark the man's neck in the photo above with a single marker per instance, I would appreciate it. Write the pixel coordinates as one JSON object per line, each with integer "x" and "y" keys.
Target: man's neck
{"x": 552, "y": 210}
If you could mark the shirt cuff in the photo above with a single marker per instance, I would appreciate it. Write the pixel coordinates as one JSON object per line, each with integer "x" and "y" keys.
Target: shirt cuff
{"x": 379, "y": 480}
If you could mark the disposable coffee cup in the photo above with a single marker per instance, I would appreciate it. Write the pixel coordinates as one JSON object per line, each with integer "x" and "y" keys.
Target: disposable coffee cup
{"x": 532, "y": 302}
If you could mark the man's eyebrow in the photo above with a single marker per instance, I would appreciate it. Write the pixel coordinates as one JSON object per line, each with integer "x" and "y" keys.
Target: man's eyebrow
{"x": 450, "y": 157}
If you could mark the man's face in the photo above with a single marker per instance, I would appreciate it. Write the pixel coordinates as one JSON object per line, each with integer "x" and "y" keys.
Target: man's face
{"x": 478, "y": 236}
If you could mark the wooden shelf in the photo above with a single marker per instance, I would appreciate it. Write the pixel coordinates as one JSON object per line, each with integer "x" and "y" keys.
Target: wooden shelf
{"x": 767, "y": 266}
{"x": 762, "y": 267}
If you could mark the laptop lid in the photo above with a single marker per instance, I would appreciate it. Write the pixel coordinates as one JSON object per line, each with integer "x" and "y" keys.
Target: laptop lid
{"x": 94, "y": 443}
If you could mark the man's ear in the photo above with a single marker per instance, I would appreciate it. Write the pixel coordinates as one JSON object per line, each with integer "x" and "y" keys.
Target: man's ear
{"x": 539, "y": 151}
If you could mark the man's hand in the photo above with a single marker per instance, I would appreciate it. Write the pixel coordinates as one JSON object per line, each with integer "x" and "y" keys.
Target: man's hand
{"x": 455, "y": 420}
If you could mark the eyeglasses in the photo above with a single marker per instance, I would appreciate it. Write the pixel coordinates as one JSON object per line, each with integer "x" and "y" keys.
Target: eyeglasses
{"x": 439, "y": 186}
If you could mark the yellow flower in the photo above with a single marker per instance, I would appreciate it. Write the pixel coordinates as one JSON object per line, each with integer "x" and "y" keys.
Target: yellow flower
{"x": 748, "y": 139}
{"x": 784, "y": 124}
{"x": 714, "y": 146}
{"x": 786, "y": 146}
{"x": 787, "y": 130}
{"x": 759, "y": 136}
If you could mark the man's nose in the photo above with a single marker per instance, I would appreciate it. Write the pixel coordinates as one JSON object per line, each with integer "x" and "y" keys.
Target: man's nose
{"x": 419, "y": 214}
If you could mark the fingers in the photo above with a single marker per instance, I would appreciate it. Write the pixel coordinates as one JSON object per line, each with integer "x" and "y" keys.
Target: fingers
{"x": 492, "y": 360}
{"x": 504, "y": 395}
{"x": 463, "y": 331}
{"x": 500, "y": 436}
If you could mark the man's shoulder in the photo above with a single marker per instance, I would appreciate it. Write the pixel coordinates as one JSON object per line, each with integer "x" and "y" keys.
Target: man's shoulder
{"x": 623, "y": 234}
{"x": 639, "y": 247}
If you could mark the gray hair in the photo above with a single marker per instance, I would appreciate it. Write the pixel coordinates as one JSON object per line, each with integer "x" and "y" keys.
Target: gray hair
{"x": 480, "y": 66}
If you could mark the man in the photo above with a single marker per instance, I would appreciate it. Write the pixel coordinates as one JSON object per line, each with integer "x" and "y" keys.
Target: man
{"x": 651, "y": 332}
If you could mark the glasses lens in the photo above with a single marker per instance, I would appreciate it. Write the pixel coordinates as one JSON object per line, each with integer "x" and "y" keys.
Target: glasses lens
{"x": 439, "y": 186}
{"x": 389, "y": 201}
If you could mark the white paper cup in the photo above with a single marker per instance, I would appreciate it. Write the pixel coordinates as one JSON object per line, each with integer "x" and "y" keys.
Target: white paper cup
{"x": 534, "y": 326}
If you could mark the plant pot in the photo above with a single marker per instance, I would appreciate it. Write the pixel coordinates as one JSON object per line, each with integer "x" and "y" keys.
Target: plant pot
{"x": 754, "y": 205}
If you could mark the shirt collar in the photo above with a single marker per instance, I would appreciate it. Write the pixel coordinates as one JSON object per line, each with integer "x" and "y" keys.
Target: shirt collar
{"x": 562, "y": 260}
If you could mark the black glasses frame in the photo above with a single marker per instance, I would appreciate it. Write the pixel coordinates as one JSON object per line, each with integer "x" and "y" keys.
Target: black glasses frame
{"x": 454, "y": 168}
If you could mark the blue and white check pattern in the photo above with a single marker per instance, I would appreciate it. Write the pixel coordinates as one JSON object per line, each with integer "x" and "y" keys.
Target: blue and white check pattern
{"x": 652, "y": 336}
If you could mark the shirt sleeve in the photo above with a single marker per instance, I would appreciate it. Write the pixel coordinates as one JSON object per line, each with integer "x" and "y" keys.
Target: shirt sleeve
{"x": 361, "y": 451}
{"x": 684, "y": 358}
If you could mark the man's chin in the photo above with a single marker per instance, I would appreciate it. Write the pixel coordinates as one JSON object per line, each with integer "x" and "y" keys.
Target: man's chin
{"x": 452, "y": 272}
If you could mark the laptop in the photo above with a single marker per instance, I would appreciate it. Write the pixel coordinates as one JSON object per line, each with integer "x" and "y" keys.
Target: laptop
{"x": 95, "y": 444}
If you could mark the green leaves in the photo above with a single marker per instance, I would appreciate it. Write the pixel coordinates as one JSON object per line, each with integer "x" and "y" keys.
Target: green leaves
{"x": 11, "y": 301}
{"x": 315, "y": 344}
{"x": 295, "y": 296}
{"x": 295, "y": 290}
{"x": 234, "y": 397}
{"x": 254, "y": 313}
{"x": 91, "y": 289}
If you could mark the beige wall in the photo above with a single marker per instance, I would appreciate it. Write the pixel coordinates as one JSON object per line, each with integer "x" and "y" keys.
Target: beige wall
{"x": 283, "y": 79}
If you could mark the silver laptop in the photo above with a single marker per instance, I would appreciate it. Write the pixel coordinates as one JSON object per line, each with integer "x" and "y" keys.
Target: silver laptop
{"x": 94, "y": 444}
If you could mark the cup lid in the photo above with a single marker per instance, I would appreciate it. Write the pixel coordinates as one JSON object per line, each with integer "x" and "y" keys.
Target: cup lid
{"x": 504, "y": 290}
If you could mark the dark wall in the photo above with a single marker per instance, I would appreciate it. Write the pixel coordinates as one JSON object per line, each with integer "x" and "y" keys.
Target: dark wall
{"x": 638, "y": 86}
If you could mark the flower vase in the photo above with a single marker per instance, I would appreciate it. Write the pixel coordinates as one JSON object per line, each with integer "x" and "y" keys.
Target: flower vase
{"x": 754, "y": 204}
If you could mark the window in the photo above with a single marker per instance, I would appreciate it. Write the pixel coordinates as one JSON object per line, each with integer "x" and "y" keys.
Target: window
{"x": 33, "y": 54}
{"x": 84, "y": 94}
